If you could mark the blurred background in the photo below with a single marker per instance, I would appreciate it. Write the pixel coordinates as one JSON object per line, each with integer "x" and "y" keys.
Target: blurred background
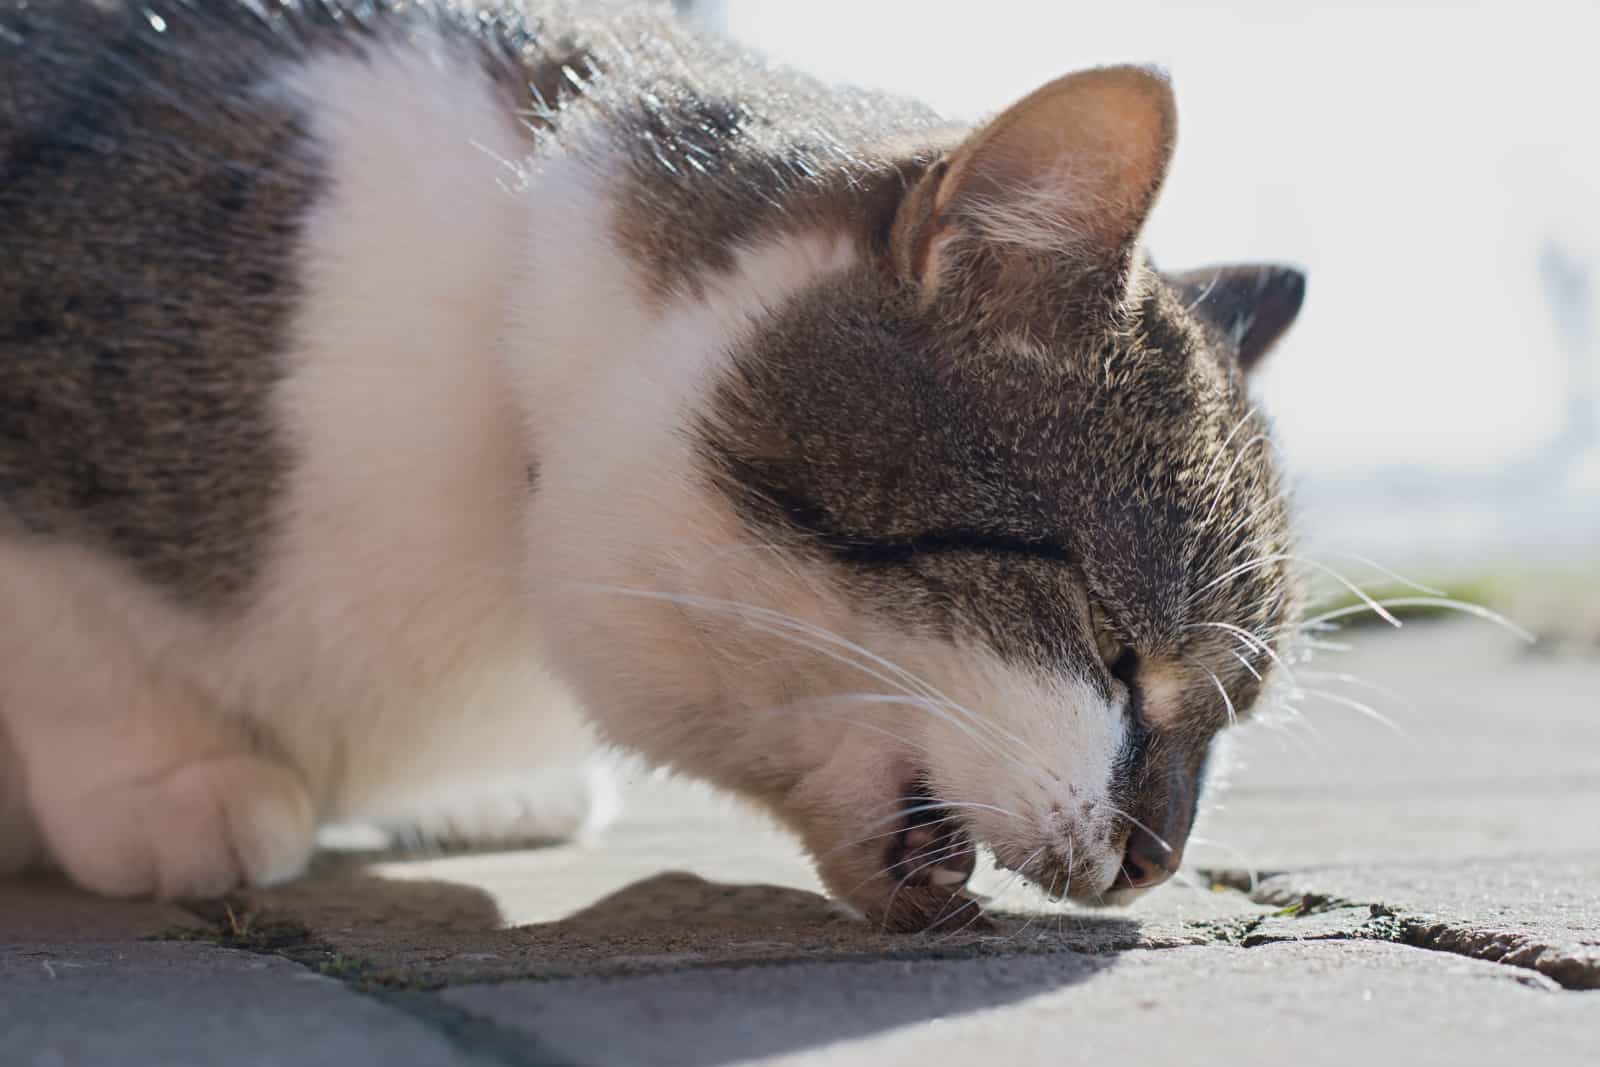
{"x": 1436, "y": 169}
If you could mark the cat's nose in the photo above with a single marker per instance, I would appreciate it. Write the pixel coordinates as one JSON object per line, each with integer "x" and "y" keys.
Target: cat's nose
{"x": 1146, "y": 861}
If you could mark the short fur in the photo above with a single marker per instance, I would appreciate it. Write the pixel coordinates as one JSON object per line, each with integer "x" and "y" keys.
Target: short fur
{"x": 394, "y": 400}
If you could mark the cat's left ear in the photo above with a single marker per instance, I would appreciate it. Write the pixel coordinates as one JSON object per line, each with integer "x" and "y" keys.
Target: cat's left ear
{"x": 1253, "y": 305}
{"x": 1058, "y": 185}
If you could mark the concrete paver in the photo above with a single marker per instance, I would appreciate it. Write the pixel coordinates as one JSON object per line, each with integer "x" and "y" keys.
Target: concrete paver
{"x": 1333, "y": 1003}
{"x": 177, "y": 1003}
{"x": 1392, "y": 873}
{"x": 1497, "y": 754}
{"x": 1543, "y": 915}
{"x": 78, "y": 985}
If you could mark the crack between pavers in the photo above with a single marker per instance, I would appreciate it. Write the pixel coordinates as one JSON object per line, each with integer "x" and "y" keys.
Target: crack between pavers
{"x": 236, "y": 926}
{"x": 477, "y": 1035}
{"x": 1509, "y": 948}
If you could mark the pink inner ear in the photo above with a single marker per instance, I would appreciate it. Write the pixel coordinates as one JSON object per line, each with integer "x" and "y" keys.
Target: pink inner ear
{"x": 1084, "y": 155}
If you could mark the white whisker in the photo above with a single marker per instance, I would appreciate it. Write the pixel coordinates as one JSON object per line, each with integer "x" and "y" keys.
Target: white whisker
{"x": 1227, "y": 476}
{"x": 1122, "y": 814}
{"x": 1289, "y": 557}
{"x": 1355, "y": 705}
{"x": 778, "y": 624}
{"x": 1442, "y": 603}
{"x": 1233, "y": 714}
{"x": 1350, "y": 679}
{"x": 1393, "y": 576}
{"x": 1246, "y": 664}
{"x": 1226, "y": 441}
{"x": 1250, "y": 638}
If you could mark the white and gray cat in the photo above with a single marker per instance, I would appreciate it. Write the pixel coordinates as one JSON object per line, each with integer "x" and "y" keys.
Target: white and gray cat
{"x": 398, "y": 401}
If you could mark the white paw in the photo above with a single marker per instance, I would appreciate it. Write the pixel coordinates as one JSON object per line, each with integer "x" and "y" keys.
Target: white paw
{"x": 199, "y": 831}
{"x": 545, "y": 807}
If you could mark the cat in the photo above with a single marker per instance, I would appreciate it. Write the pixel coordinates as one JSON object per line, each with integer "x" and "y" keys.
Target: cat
{"x": 402, "y": 404}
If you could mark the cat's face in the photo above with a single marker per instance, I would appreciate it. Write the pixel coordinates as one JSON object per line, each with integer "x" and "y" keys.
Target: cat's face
{"x": 990, "y": 540}
{"x": 1052, "y": 572}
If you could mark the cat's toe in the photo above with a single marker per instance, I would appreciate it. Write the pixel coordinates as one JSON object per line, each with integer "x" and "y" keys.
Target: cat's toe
{"x": 201, "y": 830}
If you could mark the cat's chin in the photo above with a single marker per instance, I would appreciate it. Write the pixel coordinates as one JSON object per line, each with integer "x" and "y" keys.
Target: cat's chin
{"x": 924, "y": 868}
{"x": 933, "y": 847}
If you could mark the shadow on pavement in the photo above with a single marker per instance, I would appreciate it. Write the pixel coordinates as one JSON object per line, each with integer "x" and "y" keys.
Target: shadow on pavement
{"x": 732, "y": 970}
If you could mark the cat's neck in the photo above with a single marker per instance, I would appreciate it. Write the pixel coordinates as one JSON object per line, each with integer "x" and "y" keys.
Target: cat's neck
{"x": 596, "y": 348}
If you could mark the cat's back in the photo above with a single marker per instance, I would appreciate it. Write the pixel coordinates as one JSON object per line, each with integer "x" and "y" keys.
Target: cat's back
{"x": 170, "y": 180}
{"x": 150, "y": 200}
{"x": 182, "y": 184}
{"x": 257, "y": 259}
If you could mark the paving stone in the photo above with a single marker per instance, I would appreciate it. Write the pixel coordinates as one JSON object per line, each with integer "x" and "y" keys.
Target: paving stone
{"x": 449, "y": 927}
{"x": 173, "y": 1003}
{"x": 1543, "y": 915}
{"x": 1392, "y": 871}
{"x": 1312, "y": 1004}
{"x": 1499, "y": 756}
{"x": 693, "y": 879}
{"x": 88, "y": 981}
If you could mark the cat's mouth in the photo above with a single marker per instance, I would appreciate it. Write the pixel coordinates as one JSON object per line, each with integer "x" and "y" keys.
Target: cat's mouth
{"x": 933, "y": 849}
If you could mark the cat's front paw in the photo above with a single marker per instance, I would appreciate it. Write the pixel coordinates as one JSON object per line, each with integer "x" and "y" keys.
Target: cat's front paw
{"x": 201, "y": 830}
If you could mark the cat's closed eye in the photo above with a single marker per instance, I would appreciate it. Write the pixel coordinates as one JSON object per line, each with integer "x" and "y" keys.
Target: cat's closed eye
{"x": 873, "y": 550}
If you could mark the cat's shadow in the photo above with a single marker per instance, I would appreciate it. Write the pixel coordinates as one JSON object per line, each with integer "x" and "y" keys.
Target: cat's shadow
{"x": 678, "y": 960}
{"x": 669, "y": 960}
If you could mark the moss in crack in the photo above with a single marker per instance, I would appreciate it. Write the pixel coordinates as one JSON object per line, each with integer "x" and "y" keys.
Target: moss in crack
{"x": 236, "y": 923}
{"x": 239, "y": 924}
{"x": 1304, "y": 917}
{"x": 1385, "y": 925}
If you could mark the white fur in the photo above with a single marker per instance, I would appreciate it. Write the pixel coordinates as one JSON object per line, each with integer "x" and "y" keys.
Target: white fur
{"x": 425, "y": 622}
{"x": 663, "y": 592}
{"x": 391, "y": 662}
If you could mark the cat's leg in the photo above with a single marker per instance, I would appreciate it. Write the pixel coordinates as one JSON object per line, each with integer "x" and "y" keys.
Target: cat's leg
{"x": 137, "y": 786}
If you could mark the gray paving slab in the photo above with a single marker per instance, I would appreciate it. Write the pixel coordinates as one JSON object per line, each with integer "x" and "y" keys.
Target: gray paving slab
{"x": 80, "y": 985}
{"x": 1393, "y": 870}
{"x": 1495, "y": 752}
{"x": 689, "y": 878}
{"x": 448, "y": 928}
{"x": 169, "y": 1004}
{"x": 1542, "y": 914}
{"x": 1333, "y": 1003}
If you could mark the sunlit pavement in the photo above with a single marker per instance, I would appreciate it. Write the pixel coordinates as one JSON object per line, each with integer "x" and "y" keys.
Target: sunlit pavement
{"x": 1421, "y": 892}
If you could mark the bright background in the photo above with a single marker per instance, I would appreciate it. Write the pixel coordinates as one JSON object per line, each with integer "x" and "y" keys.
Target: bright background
{"x": 1434, "y": 166}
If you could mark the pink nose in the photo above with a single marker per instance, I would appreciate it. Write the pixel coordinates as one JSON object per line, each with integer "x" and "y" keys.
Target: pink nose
{"x": 1146, "y": 861}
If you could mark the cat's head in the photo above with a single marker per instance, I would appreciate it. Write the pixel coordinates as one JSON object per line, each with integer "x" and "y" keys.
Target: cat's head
{"x": 987, "y": 543}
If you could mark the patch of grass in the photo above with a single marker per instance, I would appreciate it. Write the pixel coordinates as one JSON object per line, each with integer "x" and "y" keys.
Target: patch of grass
{"x": 341, "y": 966}
{"x": 1550, "y": 601}
{"x": 235, "y": 923}
{"x": 1487, "y": 591}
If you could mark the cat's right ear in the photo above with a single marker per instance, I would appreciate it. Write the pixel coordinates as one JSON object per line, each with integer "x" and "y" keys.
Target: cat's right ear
{"x": 1061, "y": 183}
